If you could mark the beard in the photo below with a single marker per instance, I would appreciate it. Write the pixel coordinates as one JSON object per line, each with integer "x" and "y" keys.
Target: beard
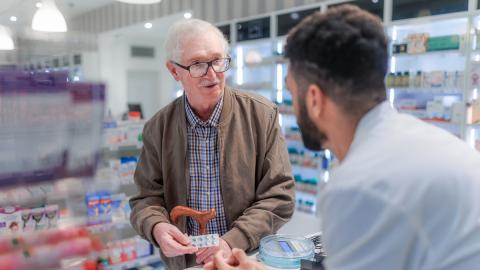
{"x": 312, "y": 137}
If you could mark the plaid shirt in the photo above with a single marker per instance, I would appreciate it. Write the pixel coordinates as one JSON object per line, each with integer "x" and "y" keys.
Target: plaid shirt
{"x": 204, "y": 168}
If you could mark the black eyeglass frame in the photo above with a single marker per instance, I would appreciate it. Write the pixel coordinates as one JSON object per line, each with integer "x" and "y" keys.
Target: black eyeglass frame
{"x": 209, "y": 64}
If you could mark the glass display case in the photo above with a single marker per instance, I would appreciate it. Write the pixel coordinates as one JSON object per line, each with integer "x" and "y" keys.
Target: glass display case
{"x": 64, "y": 212}
{"x": 252, "y": 55}
{"x": 408, "y": 9}
{"x": 472, "y": 117}
{"x": 375, "y": 7}
{"x": 427, "y": 70}
{"x": 310, "y": 168}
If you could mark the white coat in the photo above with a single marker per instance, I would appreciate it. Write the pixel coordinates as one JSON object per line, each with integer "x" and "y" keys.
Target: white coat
{"x": 406, "y": 197}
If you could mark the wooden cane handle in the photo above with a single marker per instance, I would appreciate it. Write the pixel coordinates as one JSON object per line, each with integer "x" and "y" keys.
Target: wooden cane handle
{"x": 201, "y": 217}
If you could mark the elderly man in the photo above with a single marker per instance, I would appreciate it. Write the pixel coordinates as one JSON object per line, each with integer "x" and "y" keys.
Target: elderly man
{"x": 406, "y": 195}
{"x": 214, "y": 147}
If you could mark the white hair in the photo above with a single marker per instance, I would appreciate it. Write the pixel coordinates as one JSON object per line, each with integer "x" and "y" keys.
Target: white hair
{"x": 185, "y": 29}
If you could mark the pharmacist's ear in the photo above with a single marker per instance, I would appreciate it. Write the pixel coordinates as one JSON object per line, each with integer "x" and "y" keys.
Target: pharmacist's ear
{"x": 173, "y": 70}
{"x": 315, "y": 99}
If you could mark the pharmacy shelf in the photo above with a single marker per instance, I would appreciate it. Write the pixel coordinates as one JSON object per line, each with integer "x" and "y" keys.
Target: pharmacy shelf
{"x": 440, "y": 122}
{"x": 301, "y": 167}
{"x": 432, "y": 90}
{"x": 304, "y": 171}
{"x": 144, "y": 261}
{"x": 449, "y": 53}
{"x": 42, "y": 192}
{"x": 306, "y": 195}
{"x": 123, "y": 148}
{"x": 106, "y": 227}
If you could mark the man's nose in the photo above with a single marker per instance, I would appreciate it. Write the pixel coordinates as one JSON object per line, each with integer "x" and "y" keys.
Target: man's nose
{"x": 210, "y": 73}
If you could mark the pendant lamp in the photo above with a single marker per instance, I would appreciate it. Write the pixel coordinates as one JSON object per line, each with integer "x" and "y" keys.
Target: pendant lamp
{"x": 48, "y": 18}
{"x": 6, "y": 41}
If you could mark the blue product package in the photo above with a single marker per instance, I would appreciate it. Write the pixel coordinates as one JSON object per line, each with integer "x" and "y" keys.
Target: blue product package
{"x": 105, "y": 207}
{"x": 93, "y": 211}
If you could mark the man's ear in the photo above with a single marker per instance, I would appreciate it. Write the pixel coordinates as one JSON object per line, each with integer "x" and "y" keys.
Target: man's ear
{"x": 315, "y": 101}
{"x": 173, "y": 70}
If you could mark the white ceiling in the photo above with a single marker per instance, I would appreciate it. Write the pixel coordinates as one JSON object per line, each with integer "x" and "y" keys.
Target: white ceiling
{"x": 24, "y": 9}
{"x": 35, "y": 44}
{"x": 138, "y": 31}
{"x": 38, "y": 44}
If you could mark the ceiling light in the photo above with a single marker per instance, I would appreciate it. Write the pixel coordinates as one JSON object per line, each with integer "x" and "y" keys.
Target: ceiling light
{"x": 187, "y": 15}
{"x": 13, "y": 18}
{"x": 148, "y": 25}
{"x": 6, "y": 41}
{"x": 140, "y": 1}
{"x": 48, "y": 18}
{"x": 39, "y": 4}
{"x": 295, "y": 16}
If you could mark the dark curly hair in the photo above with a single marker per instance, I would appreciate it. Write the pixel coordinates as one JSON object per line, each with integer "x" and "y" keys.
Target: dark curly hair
{"x": 344, "y": 52}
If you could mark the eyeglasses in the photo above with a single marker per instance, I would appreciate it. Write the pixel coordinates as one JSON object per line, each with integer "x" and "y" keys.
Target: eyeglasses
{"x": 200, "y": 69}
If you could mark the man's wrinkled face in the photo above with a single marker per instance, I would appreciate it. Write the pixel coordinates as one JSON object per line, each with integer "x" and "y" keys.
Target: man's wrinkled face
{"x": 312, "y": 137}
{"x": 208, "y": 88}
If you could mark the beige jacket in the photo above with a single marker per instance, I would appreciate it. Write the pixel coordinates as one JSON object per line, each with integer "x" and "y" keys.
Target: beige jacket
{"x": 255, "y": 174}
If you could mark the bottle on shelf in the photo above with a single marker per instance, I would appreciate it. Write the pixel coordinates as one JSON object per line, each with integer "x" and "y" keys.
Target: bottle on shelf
{"x": 397, "y": 82}
{"x": 405, "y": 79}
{"x": 418, "y": 79}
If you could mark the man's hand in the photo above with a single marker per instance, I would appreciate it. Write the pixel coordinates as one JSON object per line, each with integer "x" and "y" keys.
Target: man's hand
{"x": 172, "y": 241}
{"x": 237, "y": 261}
{"x": 205, "y": 255}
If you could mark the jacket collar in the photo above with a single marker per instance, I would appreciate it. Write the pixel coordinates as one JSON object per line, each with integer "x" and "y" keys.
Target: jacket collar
{"x": 227, "y": 106}
{"x": 225, "y": 115}
{"x": 193, "y": 119}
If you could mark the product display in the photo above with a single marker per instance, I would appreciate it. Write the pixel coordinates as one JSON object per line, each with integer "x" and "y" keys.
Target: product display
{"x": 429, "y": 77}
{"x": 420, "y": 80}
{"x": 45, "y": 149}
{"x": 70, "y": 147}
{"x": 41, "y": 250}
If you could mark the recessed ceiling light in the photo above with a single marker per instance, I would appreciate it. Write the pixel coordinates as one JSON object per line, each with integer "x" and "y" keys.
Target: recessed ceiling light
{"x": 148, "y": 25}
{"x": 187, "y": 15}
{"x": 375, "y": 1}
{"x": 39, "y": 4}
{"x": 13, "y": 18}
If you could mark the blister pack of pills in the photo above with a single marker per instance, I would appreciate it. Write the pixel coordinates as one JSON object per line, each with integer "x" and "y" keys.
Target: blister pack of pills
{"x": 203, "y": 241}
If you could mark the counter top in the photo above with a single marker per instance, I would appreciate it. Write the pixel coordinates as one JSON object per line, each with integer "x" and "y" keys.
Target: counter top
{"x": 301, "y": 224}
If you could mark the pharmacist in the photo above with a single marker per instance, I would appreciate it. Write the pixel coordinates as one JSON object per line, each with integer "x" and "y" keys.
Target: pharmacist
{"x": 214, "y": 147}
{"x": 406, "y": 194}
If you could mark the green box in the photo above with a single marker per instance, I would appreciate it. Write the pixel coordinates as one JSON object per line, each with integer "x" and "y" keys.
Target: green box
{"x": 442, "y": 43}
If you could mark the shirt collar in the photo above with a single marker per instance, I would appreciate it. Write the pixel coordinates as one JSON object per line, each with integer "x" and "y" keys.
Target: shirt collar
{"x": 378, "y": 114}
{"x": 214, "y": 119}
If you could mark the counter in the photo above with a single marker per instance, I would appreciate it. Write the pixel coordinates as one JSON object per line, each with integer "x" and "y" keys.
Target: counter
{"x": 301, "y": 224}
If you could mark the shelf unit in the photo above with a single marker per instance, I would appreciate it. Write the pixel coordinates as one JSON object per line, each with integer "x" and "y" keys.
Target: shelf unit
{"x": 439, "y": 75}
{"x": 258, "y": 66}
{"x": 77, "y": 214}
{"x": 451, "y": 104}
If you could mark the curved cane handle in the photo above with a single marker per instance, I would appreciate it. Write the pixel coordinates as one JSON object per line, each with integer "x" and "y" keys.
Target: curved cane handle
{"x": 201, "y": 217}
